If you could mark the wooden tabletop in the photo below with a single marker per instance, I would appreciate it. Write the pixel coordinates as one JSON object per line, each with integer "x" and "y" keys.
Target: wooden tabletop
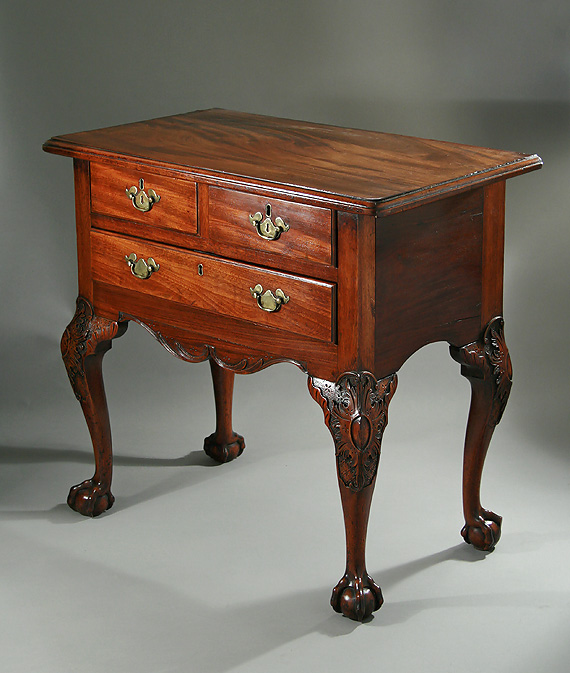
{"x": 378, "y": 172}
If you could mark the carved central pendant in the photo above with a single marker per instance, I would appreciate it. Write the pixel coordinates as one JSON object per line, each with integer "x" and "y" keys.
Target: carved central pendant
{"x": 360, "y": 432}
{"x": 356, "y": 412}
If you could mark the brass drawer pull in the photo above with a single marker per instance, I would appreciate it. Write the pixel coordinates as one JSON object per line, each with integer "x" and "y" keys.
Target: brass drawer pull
{"x": 140, "y": 268}
{"x": 265, "y": 227}
{"x": 141, "y": 200}
{"x": 267, "y": 301}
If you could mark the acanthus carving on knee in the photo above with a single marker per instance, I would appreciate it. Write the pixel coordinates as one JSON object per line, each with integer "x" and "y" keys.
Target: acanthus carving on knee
{"x": 488, "y": 359}
{"x": 86, "y": 334}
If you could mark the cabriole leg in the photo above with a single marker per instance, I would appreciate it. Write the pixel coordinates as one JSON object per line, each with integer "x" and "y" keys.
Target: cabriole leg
{"x": 356, "y": 413}
{"x": 84, "y": 343}
{"x": 487, "y": 365}
{"x": 224, "y": 444}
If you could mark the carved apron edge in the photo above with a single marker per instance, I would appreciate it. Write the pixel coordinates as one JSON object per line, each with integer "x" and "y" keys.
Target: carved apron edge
{"x": 356, "y": 413}
{"x": 203, "y": 351}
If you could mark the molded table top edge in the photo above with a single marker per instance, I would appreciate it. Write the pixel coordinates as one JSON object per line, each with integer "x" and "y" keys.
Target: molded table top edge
{"x": 356, "y": 170}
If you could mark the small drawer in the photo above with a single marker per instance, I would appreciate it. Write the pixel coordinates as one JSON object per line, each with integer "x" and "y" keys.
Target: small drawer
{"x": 142, "y": 196}
{"x": 222, "y": 287}
{"x": 250, "y": 221}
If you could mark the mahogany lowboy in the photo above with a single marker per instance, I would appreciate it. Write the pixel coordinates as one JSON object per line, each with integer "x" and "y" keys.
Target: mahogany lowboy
{"x": 250, "y": 240}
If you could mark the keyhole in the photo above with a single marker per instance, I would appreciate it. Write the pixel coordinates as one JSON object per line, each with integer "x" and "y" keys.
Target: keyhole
{"x": 200, "y": 269}
{"x": 268, "y": 210}
{"x": 141, "y": 184}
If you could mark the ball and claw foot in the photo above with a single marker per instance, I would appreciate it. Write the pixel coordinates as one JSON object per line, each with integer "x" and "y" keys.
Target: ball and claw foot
{"x": 485, "y": 532}
{"x": 223, "y": 453}
{"x": 356, "y": 597}
{"x": 90, "y": 498}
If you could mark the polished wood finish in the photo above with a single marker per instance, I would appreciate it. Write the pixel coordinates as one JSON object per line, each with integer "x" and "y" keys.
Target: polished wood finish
{"x": 222, "y": 288}
{"x": 234, "y": 341}
{"x": 349, "y": 168}
{"x": 309, "y": 236}
{"x": 429, "y": 277}
{"x": 493, "y": 246}
{"x": 81, "y": 171}
{"x": 224, "y": 444}
{"x": 175, "y": 210}
{"x": 84, "y": 343}
{"x": 392, "y": 243}
{"x": 356, "y": 413}
{"x": 487, "y": 365}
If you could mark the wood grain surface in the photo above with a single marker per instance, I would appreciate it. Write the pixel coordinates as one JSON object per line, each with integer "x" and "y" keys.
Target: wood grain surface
{"x": 364, "y": 170}
{"x": 175, "y": 210}
{"x": 428, "y": 278}
{"x": 308, "y": 236}
{"x": 392, "y": 243}
{"x": 223, "y": 288}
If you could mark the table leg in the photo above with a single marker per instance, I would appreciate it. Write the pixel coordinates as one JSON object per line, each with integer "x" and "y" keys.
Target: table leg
{"x": 84, "y": 343}
{"x": 487, "y": 365}
{"x": 224, "y": 444}
{"x": 356, "y": 413}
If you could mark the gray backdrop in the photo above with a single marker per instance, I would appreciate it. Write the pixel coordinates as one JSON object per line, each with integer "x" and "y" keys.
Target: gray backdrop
{"x": 488, "y": 73}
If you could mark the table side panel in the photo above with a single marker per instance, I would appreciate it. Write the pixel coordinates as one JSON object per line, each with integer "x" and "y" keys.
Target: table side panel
{"x": 352, "y": 166}
{"x": 428, "y": 278}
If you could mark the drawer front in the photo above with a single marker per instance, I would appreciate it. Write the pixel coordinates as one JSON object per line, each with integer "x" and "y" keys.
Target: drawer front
{"x": 278, "y": 226}
{"x": 216, "y": 285}
{"x": 164, "y": 202}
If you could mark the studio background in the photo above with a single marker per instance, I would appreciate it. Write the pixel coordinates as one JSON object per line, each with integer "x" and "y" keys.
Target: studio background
{"x": 225, "y": 569}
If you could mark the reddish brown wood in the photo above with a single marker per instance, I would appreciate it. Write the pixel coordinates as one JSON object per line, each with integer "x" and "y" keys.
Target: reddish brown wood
{"x": 493, "y": 252}
{"x": 487, "y": 365}
{"x": 202, "y": 243}
{"x": 176, "y": 208}
{"x": 356, "y": 292}
{"x": 84, "y": 343}
{"x": 356, "y": 413}
{"x": 224, "y": 288}
{"x": 348, "y": 298}
{"x": 429, "y": 278}
{"x": 203, "y": 214}
{"x": 308, "y": 236}
{"x": 234, "y": 340}
{"x": 366, "y": 292}
{"x": 81, "y": 170}
{"x": 347, "y": 168}
{"x": 394, "y": 242}
{"x": 224, "y": 444}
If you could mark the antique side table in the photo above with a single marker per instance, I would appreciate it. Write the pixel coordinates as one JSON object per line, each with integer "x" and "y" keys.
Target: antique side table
{"x": 250, "y": 240}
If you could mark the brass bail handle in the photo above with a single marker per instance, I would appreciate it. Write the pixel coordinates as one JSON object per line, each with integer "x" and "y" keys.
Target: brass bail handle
{"x": 266, "y": 228}
{"x": 140, "y": 268}
{"x": 267, "y": 301}
{"x": 140, "y": 199}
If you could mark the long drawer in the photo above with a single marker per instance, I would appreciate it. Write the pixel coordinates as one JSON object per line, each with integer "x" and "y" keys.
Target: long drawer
{"x": 219, "y": 286}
